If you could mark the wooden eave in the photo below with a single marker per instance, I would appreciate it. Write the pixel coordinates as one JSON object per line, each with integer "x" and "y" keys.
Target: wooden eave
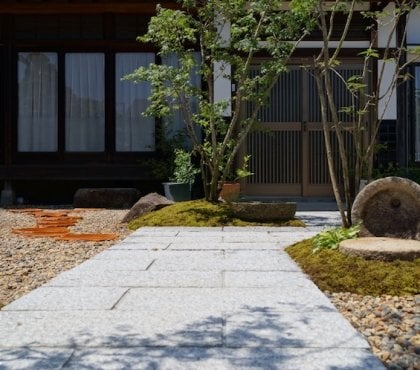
{"x": 114, "y": 6}
{"x": 97, "y": 7}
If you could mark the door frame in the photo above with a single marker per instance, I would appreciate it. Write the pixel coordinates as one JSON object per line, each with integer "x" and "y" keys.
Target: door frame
{"x": 305, "y": 188}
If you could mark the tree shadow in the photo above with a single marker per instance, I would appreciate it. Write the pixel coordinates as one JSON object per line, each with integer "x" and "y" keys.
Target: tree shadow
{"x": 250, "y": 337}
{"x": 319, "y": 220}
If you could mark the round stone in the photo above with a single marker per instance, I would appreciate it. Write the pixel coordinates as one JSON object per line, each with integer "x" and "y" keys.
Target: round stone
{"x": 389, "y": 207}
{"x": 385, "y": 249}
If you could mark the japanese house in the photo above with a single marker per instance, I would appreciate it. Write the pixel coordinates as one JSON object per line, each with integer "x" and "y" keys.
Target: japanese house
{"x": 68, "y": 121}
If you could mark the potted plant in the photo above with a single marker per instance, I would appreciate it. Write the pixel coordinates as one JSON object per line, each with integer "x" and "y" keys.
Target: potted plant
{"x": 179, "y": 187}
{"x": 231, "y": 188}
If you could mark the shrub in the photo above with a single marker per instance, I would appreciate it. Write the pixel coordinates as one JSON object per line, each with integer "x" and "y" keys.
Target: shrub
{"x": 330, "y": 239}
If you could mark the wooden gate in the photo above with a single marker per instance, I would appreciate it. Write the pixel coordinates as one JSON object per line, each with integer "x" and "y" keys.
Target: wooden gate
{"x": 288, "y": 156}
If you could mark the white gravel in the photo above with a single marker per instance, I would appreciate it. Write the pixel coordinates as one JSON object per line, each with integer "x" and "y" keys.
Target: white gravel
{"x": 26, "y": 263}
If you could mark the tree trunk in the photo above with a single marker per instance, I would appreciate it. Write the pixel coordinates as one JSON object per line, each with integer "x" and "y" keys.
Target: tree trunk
{"x": 328, "y": 147}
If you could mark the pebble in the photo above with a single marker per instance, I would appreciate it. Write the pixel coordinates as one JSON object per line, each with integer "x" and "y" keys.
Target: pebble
{"x": 27, "y": 263}
{"x": 389, "y": 325}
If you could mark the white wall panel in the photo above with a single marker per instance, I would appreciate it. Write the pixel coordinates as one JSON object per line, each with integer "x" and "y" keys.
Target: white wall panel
{"x": 387, "y": 108}
{"x": 222, "y": 70}
{"x": 222, "y": 85}
{"x": 413, "y": 27}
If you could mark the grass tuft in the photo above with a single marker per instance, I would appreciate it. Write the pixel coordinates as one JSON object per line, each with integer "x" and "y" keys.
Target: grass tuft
{"x": 336, "y": 272}
{"x": 199, "y": 213}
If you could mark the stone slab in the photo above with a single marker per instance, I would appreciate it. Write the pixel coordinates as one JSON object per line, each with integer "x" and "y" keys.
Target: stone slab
{"x": 229, "y": 260}
{"x": 263, "y": 211}
{"x": 112, "y": 255}
{"x": 319, "y": 218}
{"x": 155, "y": 279}
{"x": 141, "y": 328}
{"x": 197, "y": 261}
{"x": 133, "y": 245}
{"x": 288, "y": 229}
{"x": 267, "y": 279}
{"x": 245, "y": 229}
{"x": 54, "y": 298}
{"x": 266, "y": 327}
{"x": 130, "y": 254}
{"x": 224, "y": 246}
{"x": 222, "y": 299}
{"x": 198, "y": 229}
{"x": 380, "y": 248}
{"x": 34, "y": 358}
{"x": 224, "y": 359}
{"x": 296, "y": 234}
{"x": 155, "y": 231}
{"x": 249, "y": 237}
{"x": 98, "y": 265}
{"x": 258, "y": 261}
{"x": 199, "y": 238}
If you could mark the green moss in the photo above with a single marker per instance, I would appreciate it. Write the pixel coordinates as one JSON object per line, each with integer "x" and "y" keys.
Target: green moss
{"x": 334, "y": 271}
{"x": 199, "y": 213}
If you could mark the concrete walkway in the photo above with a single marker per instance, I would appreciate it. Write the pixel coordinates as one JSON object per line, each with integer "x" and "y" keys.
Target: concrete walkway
{"x": 184, "y": 298}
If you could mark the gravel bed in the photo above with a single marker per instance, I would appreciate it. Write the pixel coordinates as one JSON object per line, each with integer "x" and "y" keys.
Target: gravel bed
{"x": 26, "y": 263}
{"x": 390, "y": 324}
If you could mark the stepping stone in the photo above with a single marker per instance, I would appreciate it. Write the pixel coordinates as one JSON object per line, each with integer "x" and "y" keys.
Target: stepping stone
{"x": 385, "y": 249}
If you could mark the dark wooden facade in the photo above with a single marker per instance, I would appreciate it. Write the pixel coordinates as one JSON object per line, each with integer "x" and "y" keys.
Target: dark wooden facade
{"x": 61, "y": 27}
{"x": 107, "y": 27}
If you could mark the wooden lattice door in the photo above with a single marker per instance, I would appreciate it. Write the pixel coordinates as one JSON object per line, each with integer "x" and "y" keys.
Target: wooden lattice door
{"x": 287, "y": 156}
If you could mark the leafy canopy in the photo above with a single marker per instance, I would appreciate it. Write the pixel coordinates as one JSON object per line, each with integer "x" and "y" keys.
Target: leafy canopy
{"x": 227, "y": 35}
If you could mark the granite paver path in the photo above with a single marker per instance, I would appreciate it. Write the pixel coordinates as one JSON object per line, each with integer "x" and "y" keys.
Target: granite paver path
{"x": 183, "y": 298}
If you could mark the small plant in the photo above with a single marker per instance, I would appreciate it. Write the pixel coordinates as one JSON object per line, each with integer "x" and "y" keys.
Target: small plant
{"x": 244, "y": 170}
{"x": 184, "y": 171}
{"x": 241, "y": 172}
{"x": 329, "y": 239}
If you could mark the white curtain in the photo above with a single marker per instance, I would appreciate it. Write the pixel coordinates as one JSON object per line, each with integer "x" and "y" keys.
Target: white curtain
{"x": 417, "y": 113}
{"x": 37, "y": 112}
{"x": 85, "y": 105}
{"x": 134, "y": 132}
{"x": 175, "y": 124}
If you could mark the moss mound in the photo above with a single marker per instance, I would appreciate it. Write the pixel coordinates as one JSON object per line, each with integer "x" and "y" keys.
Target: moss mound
{"x": 333, "y": 271}
{"x": 199, "y": 213}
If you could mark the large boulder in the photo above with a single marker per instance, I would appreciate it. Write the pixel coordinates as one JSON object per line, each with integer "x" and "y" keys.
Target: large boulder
{"x": 105, "y": 198}
{"x": 389, "y": 207}
{"x": 146, "y": 204}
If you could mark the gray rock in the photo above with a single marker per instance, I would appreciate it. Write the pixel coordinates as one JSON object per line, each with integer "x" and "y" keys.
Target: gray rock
{"x": 263, "y": 211}
{"x": 105, "y": 197}
{"x": 389, "y": 207}
{"x": 385, "y": 249}
{"x": 146, "y": 204}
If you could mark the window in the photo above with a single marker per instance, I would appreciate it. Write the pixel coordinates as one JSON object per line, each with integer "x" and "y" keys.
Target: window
{"x": 37, "y": 102}
{"x": 85, "y": 102}
{"x": 77, "y": 116}
{"x": 417, "y": 113}
{"x": 134, "y": 132}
